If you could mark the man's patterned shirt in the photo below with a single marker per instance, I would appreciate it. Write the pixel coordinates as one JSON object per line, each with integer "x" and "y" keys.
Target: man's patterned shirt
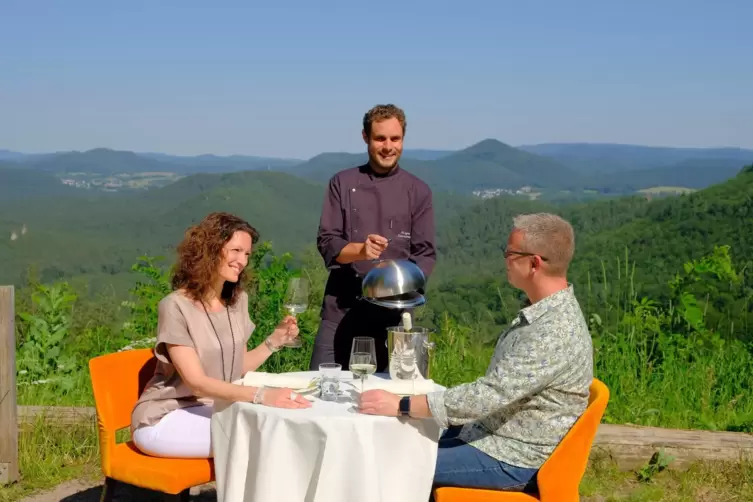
{"x": 535, "y": 388}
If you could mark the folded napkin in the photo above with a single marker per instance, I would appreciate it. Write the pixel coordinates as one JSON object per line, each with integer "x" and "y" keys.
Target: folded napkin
{"x": 402, "y": 387}
{"x": 259, "y": 378}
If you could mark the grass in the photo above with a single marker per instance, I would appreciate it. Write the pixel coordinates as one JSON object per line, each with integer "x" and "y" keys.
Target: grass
{"x": 78, "y": 392}
{"x": 663, "y": 365}
{"x": 49, "y": 455}
{"x": 701, "y": 482}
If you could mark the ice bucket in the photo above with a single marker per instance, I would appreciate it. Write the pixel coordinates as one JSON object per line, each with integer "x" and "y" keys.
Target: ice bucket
{"x": 409, "y": 352}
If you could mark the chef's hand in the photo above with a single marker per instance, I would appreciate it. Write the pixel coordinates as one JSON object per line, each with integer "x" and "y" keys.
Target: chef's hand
{"x": 380, "y": 402}
{"x": 374, "y": 246}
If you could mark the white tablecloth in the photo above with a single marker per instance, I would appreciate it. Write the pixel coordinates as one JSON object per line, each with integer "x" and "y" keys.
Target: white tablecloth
{"x": 326, "y": 453}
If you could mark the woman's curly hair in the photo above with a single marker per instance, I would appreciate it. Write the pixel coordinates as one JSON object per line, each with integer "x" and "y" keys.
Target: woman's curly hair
{"x": 200, "y": 253}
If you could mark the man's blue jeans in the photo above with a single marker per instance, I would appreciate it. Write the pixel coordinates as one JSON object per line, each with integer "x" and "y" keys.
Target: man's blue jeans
{"x": 460, "y": 464}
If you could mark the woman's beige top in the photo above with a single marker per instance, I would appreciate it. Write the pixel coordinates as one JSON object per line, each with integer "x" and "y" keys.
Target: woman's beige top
{"x": 182, "y": 322}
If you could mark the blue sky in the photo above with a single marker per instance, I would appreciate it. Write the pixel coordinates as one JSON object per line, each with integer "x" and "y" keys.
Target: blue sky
{"x": 293, "y": 79}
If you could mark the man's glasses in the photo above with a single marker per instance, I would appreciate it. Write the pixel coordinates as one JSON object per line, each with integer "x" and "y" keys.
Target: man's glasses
{"x": 522, "y": 253}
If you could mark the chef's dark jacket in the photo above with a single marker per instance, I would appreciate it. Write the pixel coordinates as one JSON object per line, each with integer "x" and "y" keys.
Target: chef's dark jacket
{"x": 359, "y": 202}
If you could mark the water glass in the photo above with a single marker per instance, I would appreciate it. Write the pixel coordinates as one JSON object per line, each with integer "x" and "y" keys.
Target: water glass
{"x": 330, "y": 385}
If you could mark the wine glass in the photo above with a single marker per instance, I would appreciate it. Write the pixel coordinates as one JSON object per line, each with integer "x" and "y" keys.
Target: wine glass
{"x": 362, "y": 358}
{"x": 296, "y": 302}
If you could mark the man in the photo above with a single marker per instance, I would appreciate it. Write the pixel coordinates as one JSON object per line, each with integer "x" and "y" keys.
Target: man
{"x": 503, "y": 426}
{"x": 377, "y": 210}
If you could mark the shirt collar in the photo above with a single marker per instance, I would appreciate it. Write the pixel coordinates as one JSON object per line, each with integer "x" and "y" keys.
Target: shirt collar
{"x": 374, "y": 176}
{"x": 532, "y": 312}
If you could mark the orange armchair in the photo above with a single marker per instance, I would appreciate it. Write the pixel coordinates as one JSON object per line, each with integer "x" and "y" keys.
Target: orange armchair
{"x": 560, "y": 476}
{"x": 117, "y": 381}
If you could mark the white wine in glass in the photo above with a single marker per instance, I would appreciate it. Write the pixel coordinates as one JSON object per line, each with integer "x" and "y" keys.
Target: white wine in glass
{"x": 362, "y": 358}
{"x": 296, "y": 302}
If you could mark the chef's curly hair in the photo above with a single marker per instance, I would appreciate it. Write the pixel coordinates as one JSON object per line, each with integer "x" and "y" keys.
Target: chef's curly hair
{"x": 199, "y": 256}
{"x": 383, "y": 112}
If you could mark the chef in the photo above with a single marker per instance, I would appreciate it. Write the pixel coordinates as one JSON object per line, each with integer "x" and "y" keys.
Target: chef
{"x": 374, "y": 211}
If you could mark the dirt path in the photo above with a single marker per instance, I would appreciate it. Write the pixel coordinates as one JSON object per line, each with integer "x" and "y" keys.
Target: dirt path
{"x": 82, "y": 491}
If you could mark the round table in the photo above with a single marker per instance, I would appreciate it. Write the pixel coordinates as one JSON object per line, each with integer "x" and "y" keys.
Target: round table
{"x": 328, "y": 452}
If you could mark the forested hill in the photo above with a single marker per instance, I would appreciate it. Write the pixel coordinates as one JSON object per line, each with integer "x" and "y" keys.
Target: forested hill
{"x": 19, "y": 183}
{"x": 97, "y": 236}
{"x": 663, "y": 233}
{"x": 101, "y": 236}
{"x": 649, "y": 241}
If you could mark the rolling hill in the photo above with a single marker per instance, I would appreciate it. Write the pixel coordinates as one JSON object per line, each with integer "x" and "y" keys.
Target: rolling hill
{"x": 105, "y": 161}
{"x": 690, "y": 173}
{"x": 323, "y": 166}
{"x": 17, "y": 183}
{"x": 221, "y": 163}
{"x": 103, "y": 234}
{"x": 99, "y": 161}
{"x": 487, "y": 164}
{"x": 425, "y": 154}
{"x": 493, "y": 164}
{"x": 97, "y": 236}
{"x": 661, "y": 234}
{"x": 622, "y": 244}
{"x": 614, "y": 158}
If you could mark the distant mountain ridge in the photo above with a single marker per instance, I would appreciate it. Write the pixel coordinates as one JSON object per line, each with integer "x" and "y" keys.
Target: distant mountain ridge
{"x": 98, "y": 160}
{"x": 608, "y": 158}
{"x": 224, "y": 163}
{"x": 106, "y": 161}
{"x": 486, "y": 165}
{"x": 691, "y": 173}
{"x": 492, "y": 164}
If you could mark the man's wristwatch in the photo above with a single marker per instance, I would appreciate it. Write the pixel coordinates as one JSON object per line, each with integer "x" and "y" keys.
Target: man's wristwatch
{"x": 404, "y": 406}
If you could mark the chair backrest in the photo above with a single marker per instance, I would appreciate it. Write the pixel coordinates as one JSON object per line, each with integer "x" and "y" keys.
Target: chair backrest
{"x": 559, "y": 478}
{"x": 117, "y": 382}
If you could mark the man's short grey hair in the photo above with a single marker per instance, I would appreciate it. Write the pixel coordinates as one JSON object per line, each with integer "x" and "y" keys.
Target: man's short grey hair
{"x": 550, "y": 237}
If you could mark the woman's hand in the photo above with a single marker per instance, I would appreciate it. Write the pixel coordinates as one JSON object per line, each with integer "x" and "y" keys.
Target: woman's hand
{"x": 283, "y": 398}
{"x": 286, "y": 331}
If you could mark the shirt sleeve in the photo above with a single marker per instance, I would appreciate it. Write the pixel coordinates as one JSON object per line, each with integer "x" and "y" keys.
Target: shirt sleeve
{"x": 329, "y": 239}
{"x": 248, "y": 324}
{"x": 529, "y": 366}
{"x": 172, "y": 329}
{"x": 422, "y": 249}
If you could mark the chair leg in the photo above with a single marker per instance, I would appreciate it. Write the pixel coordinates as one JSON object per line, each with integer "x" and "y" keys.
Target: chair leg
{"x": 183, "y": 496}
{"x": 108, "y": 490}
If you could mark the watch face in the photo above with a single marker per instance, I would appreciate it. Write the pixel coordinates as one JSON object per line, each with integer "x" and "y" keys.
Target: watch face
{"x": 405, "y": 405}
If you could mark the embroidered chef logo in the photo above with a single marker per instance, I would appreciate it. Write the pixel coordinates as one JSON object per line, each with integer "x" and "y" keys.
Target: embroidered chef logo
{"x": 403, "y": 235}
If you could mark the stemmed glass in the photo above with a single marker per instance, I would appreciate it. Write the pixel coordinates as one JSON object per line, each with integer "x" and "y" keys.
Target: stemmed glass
{"x": 296, "y": 302}
{"x": 362, "y": 358}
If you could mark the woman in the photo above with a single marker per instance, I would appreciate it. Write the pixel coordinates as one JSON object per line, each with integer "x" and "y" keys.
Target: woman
{"x": 202, "y": 334}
